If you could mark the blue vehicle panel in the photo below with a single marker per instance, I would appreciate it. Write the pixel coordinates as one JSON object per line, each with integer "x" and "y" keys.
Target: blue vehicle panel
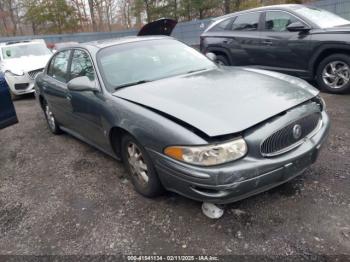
{"x": 7, "y": 110}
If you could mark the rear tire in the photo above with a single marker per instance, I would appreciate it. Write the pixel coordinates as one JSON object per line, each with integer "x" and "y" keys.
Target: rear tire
{"x": 222, "y": 60}
{"x": 333, "y": 74}
{"x": 140, "y": 167}
{"x": 51, "y": 120}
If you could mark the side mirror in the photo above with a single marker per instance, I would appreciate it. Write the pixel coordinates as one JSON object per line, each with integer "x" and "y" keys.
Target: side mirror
{"x": 298, "y": 27}
{"x": 82, "y": 83}
{"x": 211, "y": 56}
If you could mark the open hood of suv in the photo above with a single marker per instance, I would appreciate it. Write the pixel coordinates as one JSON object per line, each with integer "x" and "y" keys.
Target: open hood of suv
{"x": 162, "y": 26}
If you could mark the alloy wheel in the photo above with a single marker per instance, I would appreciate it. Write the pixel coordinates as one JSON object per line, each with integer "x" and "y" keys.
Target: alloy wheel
{"x": 336, "y": 74}
{"x": 137, "y": 163}
{"x": 50, "y": 118}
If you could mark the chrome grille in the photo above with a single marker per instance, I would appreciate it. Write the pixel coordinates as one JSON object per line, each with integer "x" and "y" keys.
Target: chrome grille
{"x": 286, "y": 138}
{"x": 33, "y": 74}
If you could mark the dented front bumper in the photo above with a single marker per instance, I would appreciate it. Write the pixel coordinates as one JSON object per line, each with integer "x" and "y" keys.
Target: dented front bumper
{"x": 240, "y": 179}
{"x": 20, "y": 85}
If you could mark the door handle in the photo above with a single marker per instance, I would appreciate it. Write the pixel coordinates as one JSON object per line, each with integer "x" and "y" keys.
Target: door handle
{"x": 44, "y": 85}
{"x": 267, "y": 42}
{"x": 68, "y": 97}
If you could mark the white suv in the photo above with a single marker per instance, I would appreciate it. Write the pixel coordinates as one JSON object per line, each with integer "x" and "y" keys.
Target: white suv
{"x": 21, "y": 62}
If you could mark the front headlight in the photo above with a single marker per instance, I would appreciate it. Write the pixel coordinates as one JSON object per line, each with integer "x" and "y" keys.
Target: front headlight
{"x": 15, "y": 73}
{"x": 209, "y": 155}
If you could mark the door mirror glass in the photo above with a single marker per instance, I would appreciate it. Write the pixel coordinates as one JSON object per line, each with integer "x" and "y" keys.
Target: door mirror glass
{"x": 297, "y": 27}
{"x": 82, "y": 83}
{"x": 211, "y": 56}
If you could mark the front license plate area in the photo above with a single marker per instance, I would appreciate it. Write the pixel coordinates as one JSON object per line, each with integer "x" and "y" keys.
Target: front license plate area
{"x": 300, "y": 164}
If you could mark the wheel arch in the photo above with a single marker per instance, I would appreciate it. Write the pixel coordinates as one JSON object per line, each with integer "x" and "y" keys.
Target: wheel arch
{"x": 42, "y": 101}
{"x": 116, "y": 134}
{"x": 220, "y": 51}
{"x": 325, "y": 52}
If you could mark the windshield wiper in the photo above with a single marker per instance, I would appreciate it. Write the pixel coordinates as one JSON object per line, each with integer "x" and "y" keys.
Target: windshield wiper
{"x": 132, "y": 84}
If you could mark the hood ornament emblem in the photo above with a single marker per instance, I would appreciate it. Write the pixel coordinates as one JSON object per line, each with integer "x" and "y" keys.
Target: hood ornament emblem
{"x": 297, "y": 131}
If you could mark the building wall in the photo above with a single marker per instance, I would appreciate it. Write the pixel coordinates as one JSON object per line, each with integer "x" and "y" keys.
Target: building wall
{"x": 187, "y": 32}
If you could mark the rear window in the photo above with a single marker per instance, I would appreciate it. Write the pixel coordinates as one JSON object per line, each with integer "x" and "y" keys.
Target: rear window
{"x": 223, "y": 25}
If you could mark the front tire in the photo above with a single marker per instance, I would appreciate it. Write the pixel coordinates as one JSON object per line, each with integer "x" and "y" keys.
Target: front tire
{"x": 333, "y": 74}
{"x": 222, "y": 60}
{"x": 51, "y": 120}
{"x": 140, "y": 167}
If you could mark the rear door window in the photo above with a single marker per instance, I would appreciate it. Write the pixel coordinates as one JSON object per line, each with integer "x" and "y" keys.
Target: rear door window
{"x": 246, "y": 22}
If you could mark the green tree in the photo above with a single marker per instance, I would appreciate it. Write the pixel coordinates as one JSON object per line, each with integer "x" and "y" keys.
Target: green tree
{"x": 51, "y": 16}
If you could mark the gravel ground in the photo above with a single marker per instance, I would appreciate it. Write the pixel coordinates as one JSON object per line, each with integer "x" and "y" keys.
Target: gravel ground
{"x": 61, "y": 196}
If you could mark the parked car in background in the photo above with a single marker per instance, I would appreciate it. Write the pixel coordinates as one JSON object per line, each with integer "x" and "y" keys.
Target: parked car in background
{"x": 8, "y": 115}
{"x": 179, "y": 121}
{"x": 21, "y": 62}
{"x": 298, "y": 40}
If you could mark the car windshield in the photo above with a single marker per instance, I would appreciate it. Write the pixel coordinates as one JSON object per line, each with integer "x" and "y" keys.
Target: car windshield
{"x": 322, "y": 18}
{"x": 17, "y": 51}
{"x": 143, "y": 61}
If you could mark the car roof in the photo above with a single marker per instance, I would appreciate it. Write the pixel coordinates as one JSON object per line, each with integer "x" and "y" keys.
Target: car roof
{"x": 262, "y": 8}
{"x": 117, "y": 41}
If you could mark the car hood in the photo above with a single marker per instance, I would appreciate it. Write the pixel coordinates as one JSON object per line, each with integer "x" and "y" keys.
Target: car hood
{"x": 337, "y": 29}
{"x": 24, "y": 64}
{"x": 222, "y": 101}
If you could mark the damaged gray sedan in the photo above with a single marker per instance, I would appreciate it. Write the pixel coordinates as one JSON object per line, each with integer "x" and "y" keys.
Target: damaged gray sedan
{"x": 180, "y": 122}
